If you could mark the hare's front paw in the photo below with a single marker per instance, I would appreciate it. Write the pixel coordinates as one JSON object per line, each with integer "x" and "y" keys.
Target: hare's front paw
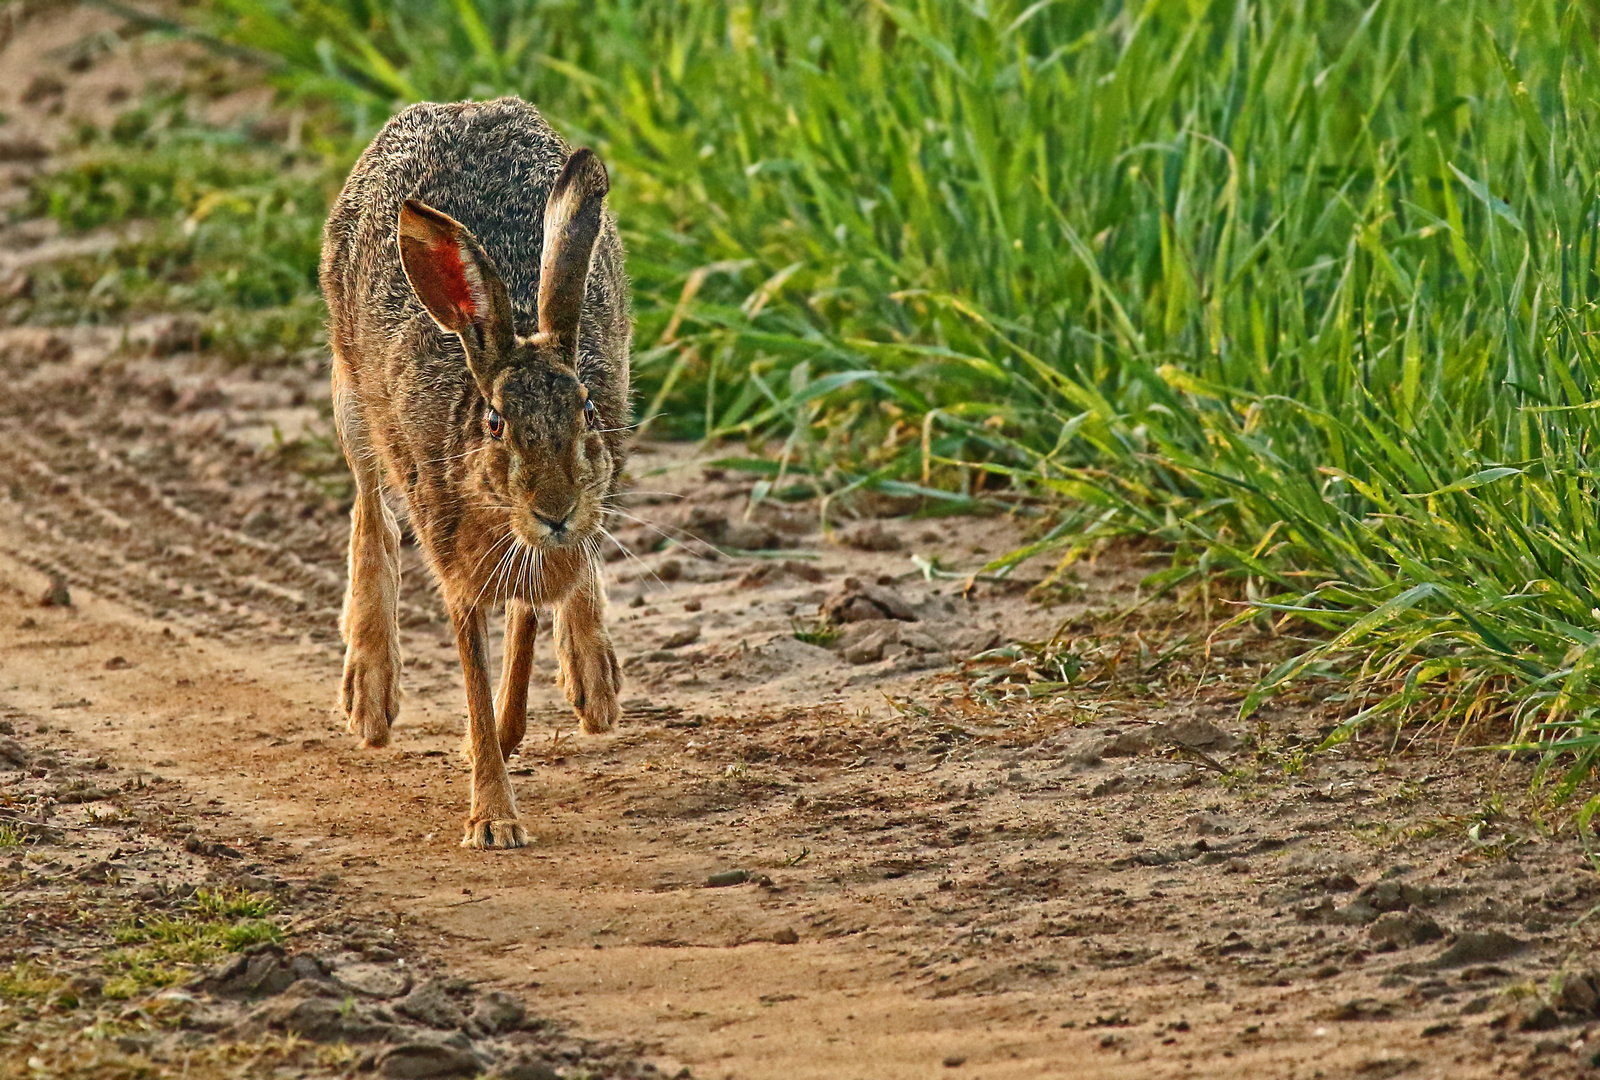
{"x": 591, "y": 678}
{"x": 371, "y": 696}
{"x": 489, "y": 833}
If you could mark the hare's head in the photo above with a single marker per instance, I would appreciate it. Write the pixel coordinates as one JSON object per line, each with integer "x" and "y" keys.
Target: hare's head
{"x": 541, "y": 454}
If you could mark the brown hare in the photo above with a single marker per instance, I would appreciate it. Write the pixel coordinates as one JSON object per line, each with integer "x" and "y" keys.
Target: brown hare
{"x": 480, "y": 335}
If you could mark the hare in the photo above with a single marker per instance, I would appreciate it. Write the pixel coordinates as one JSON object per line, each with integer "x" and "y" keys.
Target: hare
{"x": 480, "y": 335}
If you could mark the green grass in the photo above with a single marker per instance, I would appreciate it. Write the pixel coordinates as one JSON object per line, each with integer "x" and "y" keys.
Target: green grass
{"x": 161, "y": 950}
{"x": 817, "y": 633}
{"x": 28, "y": 981}
{"x": 206, "y": 222}
{"x": 233, "y": 904}
{"x": 1305, "y": 291}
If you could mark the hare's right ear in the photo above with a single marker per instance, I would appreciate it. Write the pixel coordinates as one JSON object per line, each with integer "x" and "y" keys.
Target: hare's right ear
{"x": 571, "y": 226}
{"x": 458, "y": 285}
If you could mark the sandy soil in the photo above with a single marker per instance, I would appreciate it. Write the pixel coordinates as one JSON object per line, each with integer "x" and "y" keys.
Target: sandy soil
{"x": 932, "y": 883}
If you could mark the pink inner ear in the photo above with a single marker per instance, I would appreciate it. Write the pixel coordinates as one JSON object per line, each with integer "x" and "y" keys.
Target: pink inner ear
{"x": 453, "y": 276}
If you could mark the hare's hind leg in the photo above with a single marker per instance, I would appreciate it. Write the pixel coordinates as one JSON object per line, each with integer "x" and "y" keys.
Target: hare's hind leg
{"x": 589, "y": 673}
{"x": 493, "y": 822}
{"x": 511, "y": 705}
{"x": 370, "y": 623}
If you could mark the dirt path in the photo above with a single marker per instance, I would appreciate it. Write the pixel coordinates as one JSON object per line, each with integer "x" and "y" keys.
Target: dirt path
{"x": 1028, "y": 890}
{"x": 933, "y": 885}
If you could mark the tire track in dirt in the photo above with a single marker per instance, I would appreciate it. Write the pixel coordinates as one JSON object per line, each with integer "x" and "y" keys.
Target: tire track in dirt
{"x": 84, "y": 538}
{"x": 102, "y": 518}
{"x": 93, "y": 556}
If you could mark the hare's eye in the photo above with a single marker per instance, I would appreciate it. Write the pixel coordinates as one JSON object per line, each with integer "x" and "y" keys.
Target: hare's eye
{"x": 589, "y": 412}
{"x": 495, "y": 424}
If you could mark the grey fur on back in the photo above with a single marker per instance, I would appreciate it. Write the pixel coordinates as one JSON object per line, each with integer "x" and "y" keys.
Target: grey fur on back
{"x": 489, "y": 165}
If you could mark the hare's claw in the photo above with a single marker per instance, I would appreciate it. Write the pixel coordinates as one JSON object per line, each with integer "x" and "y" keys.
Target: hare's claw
{"x": 488, "y": 833}
{"x": 591, "y": 678}
{"x": 371, "y": 696}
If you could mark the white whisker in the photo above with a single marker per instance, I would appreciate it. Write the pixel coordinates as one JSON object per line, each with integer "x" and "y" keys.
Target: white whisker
{"x": 503, "y": 538}
{"x": 495, "y": 577}
{"x": 524, "y": 580}
{"x": 642, "y": 491}
{"x": 507, "y": 577}
{"x": 652, "y": 526}
{"x": 626, "y": 554}
{"x": 457, "y": 457}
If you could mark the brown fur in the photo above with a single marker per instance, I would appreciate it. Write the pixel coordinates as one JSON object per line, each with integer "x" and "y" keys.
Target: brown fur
{"x": 478, "y": 304}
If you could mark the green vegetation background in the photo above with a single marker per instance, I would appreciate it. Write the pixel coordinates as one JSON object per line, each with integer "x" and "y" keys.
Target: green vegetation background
{"x": 1305, "y": 290}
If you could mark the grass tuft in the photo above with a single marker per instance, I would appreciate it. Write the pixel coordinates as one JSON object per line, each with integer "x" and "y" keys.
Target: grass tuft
{"x": 819, "y": 633}
{"x": 26, "y": 980}
{"x": 233, "y": 904}
{"x": 162, "y": 950}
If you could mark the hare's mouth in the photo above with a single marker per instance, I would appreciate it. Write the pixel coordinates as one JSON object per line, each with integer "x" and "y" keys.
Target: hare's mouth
{"x": 541, "y": 529}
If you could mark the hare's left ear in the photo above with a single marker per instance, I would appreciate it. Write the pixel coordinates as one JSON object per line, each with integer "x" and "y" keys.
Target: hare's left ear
{"x": 571, "y": 227}
{"x": 459, "y": 286}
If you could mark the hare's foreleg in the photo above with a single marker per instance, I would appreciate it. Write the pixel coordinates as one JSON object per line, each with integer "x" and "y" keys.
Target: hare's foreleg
{"x": 493, "y": 822}
{"x": 589, "y": 673}
{"x": 370, "y": 622}
{"x": 511, "y": 704}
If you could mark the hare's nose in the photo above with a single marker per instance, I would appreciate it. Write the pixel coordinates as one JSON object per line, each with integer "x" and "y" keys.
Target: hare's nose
{"x": 557, "y": 526}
